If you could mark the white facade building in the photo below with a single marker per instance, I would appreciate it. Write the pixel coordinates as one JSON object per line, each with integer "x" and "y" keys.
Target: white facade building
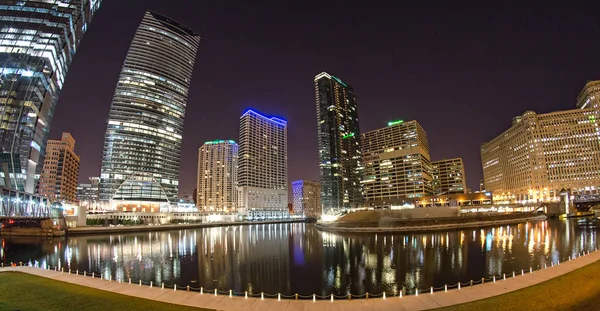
{"x": 262, "y": 167}
{"x": 217, "y": 176}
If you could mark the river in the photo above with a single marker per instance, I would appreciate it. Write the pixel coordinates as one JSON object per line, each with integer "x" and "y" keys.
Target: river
{"x": 298, "y": 258}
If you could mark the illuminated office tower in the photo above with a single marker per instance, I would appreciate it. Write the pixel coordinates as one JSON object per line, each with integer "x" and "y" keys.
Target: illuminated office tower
{"x": 217, "y": 176}
{"x": 38, "y": 42}
{"x": 541, "y": 154}
{"x": 396, "y": 164}
{"x": 339, "y": 143}
{"x": 262, "y": 166}
{"x": 145, "y": 125}
{"x": 448, "y": 176}
{"x": 589, "y": 96}
{"x": 60, "y": 175}
{"x": 87, "y": 194}
{"x": 306, "y": 198}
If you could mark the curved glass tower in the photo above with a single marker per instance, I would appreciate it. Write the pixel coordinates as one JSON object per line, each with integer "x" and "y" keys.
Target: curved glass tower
{"x": 145, "y": 123}
{"x": 38, "y": 40}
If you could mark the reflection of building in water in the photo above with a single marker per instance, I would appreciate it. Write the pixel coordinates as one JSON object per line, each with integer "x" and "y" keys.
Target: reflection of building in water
{"x": 254, "y": 258}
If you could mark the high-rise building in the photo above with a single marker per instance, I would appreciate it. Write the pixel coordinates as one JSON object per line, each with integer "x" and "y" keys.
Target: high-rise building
{"x": 145, "y": 123}
{"x": 396, "y": 164}
{"x": 448, "y": 176}
{"x": 39, "y": 40}
{"x": 306, "y": 198}
{"x": 589, "y": 96}
{"x": 340, "y": 155}
{"x": 262, "y": 166}
{"x": 541, "y": 154}
{"x": 60, "y": 174}
{"x": 88, "y": 194}
{"x": 217, "y": 176}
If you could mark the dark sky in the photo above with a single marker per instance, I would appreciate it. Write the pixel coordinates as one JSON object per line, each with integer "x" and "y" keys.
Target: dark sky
{"x": 463, "y": 72}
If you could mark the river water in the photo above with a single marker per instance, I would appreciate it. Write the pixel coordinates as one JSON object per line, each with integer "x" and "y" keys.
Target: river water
{"x": 298, "y": 258}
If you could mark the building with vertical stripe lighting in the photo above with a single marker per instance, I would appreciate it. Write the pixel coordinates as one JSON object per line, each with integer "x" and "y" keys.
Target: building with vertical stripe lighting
{"x": 217, "y": 176}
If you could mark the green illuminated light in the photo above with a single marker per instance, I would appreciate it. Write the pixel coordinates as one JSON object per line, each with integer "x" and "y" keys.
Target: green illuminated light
{"x": 348, "y": 135}
{"x": 338, "y": 80}
{"x": 592, "y": 118}
{"x": 392, "y": 123}
{"x": 218, "y": 141}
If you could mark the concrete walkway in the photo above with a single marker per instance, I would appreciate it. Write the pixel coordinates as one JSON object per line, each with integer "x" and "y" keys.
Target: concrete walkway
{"x": 423, "y": 301}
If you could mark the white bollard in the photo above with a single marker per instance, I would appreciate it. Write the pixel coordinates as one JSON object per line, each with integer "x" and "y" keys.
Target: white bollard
{"x": 215, "y": 291}
{"x": 431, "y": 290}
{"x": 162, "y": 286}
{"x": 84, "y": 273}
{"x": 545, "y": 266}
{"x": 400, "y": 294}
{"x": 513, "y": 274}
{"x": 174, "y": 287}
{"x": 522, "y": 272}
{"x": 494, "y": 279}
{"x": 262, "y": 296}
{"x": 530, "y": 270}
{"x": 417, "y": 292}
{"x": 445, "y": 287}
{"x": 246, "y": 295}
{"x": 504, "y": 276}
{"x": 140, "y": 282}
{"x": 201, "y": 290}
{"x": 69, "y": 270}
{"x": 558, "y": 261}
{"x": 230, "y": 293}
{"x": 77, "y": 271}
{"x": 459, "y": 285}
{"x": 383, "y": 296}
{"x": 92, "y": 275}
{"x": 110, "y": 278}
{"x": 314, "y": 298}
{"x": 150, "y": 284}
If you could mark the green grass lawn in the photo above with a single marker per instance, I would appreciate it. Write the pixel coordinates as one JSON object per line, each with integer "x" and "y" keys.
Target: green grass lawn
{"x": 20, "y": 291}
{"x": 578, "y": 290}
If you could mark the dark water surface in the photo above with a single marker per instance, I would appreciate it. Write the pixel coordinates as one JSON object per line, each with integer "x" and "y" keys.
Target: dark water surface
{"x": 298, "y": 258}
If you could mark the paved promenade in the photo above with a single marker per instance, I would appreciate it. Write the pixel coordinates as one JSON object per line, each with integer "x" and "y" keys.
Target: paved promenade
{"x": 423, "y": 301}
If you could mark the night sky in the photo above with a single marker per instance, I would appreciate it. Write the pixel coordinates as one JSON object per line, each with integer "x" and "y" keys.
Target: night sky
{"x": 463, "y": 72}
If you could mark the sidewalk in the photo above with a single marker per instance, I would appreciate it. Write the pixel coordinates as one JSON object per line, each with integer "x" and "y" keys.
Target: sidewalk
{"x": 423, "y": 301}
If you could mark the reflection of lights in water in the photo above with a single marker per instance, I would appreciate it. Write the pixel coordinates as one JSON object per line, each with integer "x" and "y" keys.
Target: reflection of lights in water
{"x": 115, "y": 254}
{"x": 488, "y": 241}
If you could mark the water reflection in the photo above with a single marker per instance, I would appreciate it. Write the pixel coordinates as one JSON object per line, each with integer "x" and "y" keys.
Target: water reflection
{"x": 297, "y": 258}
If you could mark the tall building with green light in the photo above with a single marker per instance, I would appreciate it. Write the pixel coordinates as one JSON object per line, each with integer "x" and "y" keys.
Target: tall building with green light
{"x": 340, "y": 158}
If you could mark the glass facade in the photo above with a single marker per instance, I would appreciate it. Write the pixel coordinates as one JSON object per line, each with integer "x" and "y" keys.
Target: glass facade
{"x": 339, "y": 143}
{"x": 145, "y": 123}
{"x": 38, "y": 41}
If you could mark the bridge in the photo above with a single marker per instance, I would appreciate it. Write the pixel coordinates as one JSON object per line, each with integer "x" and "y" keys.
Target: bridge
{"x": 19, "y": 204}
{"x": 584, "y": 202}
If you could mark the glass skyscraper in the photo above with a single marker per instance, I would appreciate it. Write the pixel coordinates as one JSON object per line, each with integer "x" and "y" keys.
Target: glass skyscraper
{"x": 38, "y": 42}
{"x": 339, "y": 143}
{"x": 145, "y": 123}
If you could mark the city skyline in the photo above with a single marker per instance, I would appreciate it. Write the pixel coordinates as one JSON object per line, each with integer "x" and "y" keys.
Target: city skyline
{"x": 454, "y": 84}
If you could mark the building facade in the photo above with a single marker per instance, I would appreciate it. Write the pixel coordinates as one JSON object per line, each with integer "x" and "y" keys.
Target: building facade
{"x": 340, "y": 156}
{"x": 39, "y": 40}
{"x": 262, "y": 166}
{"x": 306, "y": 198}
{"x": 145, "y": 122}
{"x": 60, "y": 174}
{"x": 448, "y": 176}
{"x": 396, "y": 164}
{"x": 88, "y": 195}
{"x": 217, "y": 176}
{"x": 541, "y": 154}
{"x": 589, "y": 96}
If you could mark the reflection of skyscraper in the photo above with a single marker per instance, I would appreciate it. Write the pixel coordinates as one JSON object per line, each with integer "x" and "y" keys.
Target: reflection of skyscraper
{"x": 145, "y": 123}
{"x": 262, "y": 173}
{"x": 339, "y": 143}
{"x": 39, "y": 40}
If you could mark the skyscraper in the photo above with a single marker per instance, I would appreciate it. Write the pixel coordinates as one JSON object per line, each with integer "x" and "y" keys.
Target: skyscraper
{"x": 589, "y": 96}
{"x": 60, "y": 175}
{"x": 217, "y": 176}
{"x": 145, "y": 123}
{"x": 39, "y": 40}
{"x": 306, "y": 198}
{"x": 396, "y": 162}
{"x": 448, "y": 176}
{"x": 262, "y": 169}
{"x": 339, "y": 143}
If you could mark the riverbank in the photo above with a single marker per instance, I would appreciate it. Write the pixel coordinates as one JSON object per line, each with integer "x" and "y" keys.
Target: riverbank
{"x": 370, "y": 222}
{"x": 90, "y": 230}
{"x": 571, "y": 296}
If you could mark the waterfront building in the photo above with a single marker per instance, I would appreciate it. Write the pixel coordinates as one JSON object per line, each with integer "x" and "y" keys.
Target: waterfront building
{"x": 88, "y": 195}
{"x": 60, "y": 173}
{"x": 541, "y": 154}
{"x": 340, "y": 156}
{"x": 448, "y": 176}
{"x": 396, "y": 164}
{"x": 306, "y": 198}
{"x": 217, "y": 176}
{"x": 39, "y": 40}
{"x": 589, "y": 96}
{"x": 262, "y": 166}
{"x": 145, "y": 123}
{"x": 454, "y": 200}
